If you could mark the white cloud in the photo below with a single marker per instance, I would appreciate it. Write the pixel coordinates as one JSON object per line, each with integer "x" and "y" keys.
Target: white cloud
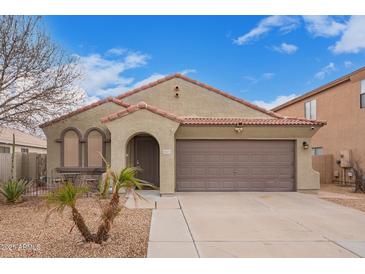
{"x": 250, "y": 79}
{"x": 152, "y": 78}
{"x": 286, "y": 48}
{"x": 353, "y": 37}
{"x": 157, "y": 76}
{"x": 348, "y": 64}
{"x": 268, "y": 75}
{"x": 325, "y": 71}
{"x": 103, "y": 76}
{"x": 324, "y": 26}
{"x": 188, "y": 71}
{"x": 116, "y": 51}
{"x": 285, "y": 24}
{"x": 281, "y": 99}
{"x": 255, "y": 80}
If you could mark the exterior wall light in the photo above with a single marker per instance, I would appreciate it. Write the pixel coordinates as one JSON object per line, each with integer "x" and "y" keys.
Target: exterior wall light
{"x": 238, "y": 129}
{"x": 305, "y": 145}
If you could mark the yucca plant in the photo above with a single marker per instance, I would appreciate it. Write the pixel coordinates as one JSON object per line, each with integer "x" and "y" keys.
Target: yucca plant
{"x": 13, "y": 190}
{"x": 66, "y": 196}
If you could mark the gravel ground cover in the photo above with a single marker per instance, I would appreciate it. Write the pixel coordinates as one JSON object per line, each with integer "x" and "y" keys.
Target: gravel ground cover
{"x": 354, "y": 200}
{"x": 24, "y": 232}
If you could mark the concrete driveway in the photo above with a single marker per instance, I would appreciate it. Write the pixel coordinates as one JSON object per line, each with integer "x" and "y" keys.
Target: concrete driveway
{"x": 254, "y": 225}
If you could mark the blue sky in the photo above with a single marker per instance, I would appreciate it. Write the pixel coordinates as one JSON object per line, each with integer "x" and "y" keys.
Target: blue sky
{"x": 264, "y": 59}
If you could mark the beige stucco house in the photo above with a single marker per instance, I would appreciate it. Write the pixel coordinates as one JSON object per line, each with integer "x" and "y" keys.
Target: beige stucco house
{"x": 24, "y": 142}
{"x": 342, "y": 104}
{"x": 186, "y": 136}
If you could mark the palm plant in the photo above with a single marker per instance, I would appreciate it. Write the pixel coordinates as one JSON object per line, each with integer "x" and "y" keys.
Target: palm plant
{"x": 125, "y": 179}
{"x": 13, "y": 190}
{"x": 105, "y": 183}
{"x": 66, "y": 196}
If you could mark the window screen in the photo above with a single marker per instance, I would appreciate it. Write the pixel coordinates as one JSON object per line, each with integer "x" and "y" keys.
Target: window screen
{"x": 317, "y": 151}
{"x": 310, "y": 109}
{"x": 4, "y": 149}
{"x": 94, "y": 149}
{"x": 71, "y": 149}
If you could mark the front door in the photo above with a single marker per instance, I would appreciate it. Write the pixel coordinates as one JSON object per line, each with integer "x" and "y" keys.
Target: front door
{"x": 147, "y": 157}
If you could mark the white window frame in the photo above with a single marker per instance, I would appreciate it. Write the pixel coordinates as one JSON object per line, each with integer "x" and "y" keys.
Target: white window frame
{"x": 362, "y": 93}
{"x": 316, "y": 151}
{"x": 3, "y": 148}
{"x": 310, "y": 109}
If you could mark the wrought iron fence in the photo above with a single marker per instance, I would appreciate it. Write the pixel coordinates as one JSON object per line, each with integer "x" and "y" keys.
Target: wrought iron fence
{"x": 39, "y": 188}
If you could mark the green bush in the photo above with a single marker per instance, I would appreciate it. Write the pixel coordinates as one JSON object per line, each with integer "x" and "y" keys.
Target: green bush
{"x": 13, "y": 190}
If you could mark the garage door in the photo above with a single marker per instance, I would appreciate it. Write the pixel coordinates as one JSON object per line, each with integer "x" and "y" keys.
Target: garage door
{"x": 235, "y": 165}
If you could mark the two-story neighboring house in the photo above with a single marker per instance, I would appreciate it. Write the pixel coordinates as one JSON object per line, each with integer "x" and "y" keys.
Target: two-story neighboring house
{"x": 342, "y": 104}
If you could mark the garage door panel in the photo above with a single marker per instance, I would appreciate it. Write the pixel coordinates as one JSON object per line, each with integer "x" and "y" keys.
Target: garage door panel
{"x": 228, "y": 165}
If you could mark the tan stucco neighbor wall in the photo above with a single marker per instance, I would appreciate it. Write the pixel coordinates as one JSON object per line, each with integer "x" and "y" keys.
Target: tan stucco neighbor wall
{"x": 345, "y": 129}
{"x": 82, "y": 121}
{"x": 306, "y": 177}
{"x": 162, "y": 129}
{"x": 193, "y": 101}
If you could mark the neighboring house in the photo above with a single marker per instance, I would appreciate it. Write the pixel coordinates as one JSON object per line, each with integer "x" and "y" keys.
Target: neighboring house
{"x": 342, "y": 104}
{"x": 24, "y": 142}
{"x": 186, "y": 136}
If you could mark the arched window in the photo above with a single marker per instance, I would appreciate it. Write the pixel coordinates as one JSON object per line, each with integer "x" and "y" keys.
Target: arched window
{"x": 95, "y": 146}
{"x": 71, "y": 148}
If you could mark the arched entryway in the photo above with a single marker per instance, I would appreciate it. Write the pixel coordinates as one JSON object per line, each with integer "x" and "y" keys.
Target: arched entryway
{"x": 143, "y": 151}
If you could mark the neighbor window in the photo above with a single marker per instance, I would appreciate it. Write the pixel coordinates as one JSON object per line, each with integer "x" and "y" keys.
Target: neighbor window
{"x": 24, "y": 150}
{"x": 71, "y": 151}
{"x": 362, "y": 94}
{"x": 94, "y": 149}
{"x": 310, "y": 109}
{"x": 317, "y": 151}
{"x": 4, "y": 149}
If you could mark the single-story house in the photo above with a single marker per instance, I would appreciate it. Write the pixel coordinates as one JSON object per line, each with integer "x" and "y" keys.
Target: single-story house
{"x": 186, "y": 136}
{"x": 24, "y": 142}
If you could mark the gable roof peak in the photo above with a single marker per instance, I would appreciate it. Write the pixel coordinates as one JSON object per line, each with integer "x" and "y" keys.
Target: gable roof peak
{"x": 200, "y": 84}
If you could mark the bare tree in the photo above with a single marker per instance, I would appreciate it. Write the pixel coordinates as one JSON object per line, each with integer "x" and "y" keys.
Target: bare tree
{"x": 37, "y": 79}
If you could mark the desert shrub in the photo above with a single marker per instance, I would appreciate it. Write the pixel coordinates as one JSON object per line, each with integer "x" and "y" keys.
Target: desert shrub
{"x": 13, "y": 190}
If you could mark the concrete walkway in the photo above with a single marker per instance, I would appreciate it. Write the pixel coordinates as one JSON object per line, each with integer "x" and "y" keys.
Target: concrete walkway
{"x": 254, "y": 225}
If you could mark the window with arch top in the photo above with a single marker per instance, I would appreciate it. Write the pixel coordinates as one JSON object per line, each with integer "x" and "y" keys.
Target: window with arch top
{"x": 71, "y": 148}
{"x": 95, "y": 147}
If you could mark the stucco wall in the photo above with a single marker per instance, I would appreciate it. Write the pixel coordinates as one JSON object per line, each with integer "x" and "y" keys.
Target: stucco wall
{"x": 193, "y": 100}
{"x": 18, "y": 148}
{"x": 162, "y": 129}
{"x": 345, "y": 129}
{"x": 306, "y": 177}
{"x": 82, "y": 121}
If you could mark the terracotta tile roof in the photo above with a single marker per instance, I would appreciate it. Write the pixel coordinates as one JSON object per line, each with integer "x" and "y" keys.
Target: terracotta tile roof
{"x": 21, "y": 138}
{"x": 177, "y": 75}
{"x": 325, "y": 87}
{"x": 250, "y": 121}
{"x": 87, "y": 107}
{"x": 285, "y": 121}
{"x": 140, "y": 105}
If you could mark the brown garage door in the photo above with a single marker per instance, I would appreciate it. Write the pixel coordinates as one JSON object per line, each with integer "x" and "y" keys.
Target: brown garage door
{"x": 235, "y": 165}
